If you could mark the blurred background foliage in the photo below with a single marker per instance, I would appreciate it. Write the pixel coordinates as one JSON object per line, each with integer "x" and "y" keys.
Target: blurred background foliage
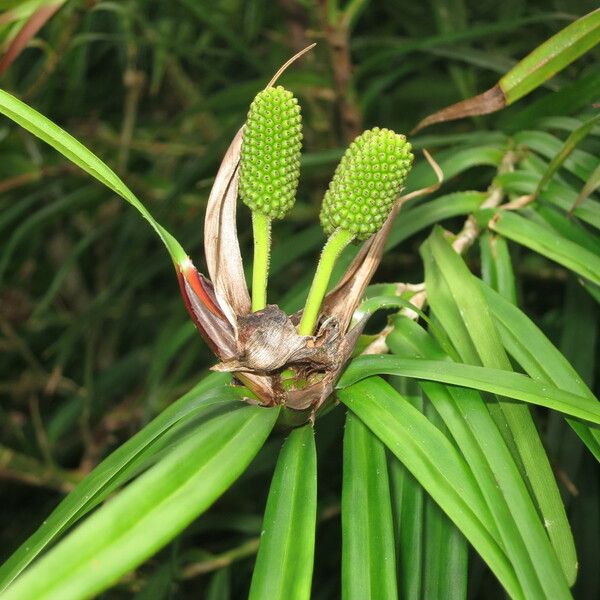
{"x": 94, "y": 338}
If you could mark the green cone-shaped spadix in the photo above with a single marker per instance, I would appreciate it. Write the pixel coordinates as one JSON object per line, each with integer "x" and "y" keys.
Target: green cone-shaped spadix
{"x": 366, "y": 183}
{"x": 270, "y": 160}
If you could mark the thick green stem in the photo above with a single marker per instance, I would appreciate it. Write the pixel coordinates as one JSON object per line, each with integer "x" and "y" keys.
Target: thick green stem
{"x": 261, "y": 227}
{"x": 337, "y": 241}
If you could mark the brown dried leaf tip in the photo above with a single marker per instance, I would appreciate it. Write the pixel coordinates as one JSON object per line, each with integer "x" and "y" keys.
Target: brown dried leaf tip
{"x": 290, "y": 360}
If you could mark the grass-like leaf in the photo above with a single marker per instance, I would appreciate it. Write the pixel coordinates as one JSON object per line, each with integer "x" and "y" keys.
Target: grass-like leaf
{"x": 528, "y": 345}
{"x": 457, "y": 301}
{"x": 555, "y": 193}
{"x": 151, "y": 511}
{"x": 466, "y": 416}
{"x": 446, "y": 550}
{"x": 368, "y": 554}
{"x": 408, "y": 503}
{"x": 76, "y": 152}
{"x": 198, "y": 404}
{"x": 549, "y": 244}
{"x": 532, "y": 71}
{"x": 285, "y": 558}
{"x": 496, "y": 381}
{"x": 436, "y": 464}
{"x": 496, "y": 265}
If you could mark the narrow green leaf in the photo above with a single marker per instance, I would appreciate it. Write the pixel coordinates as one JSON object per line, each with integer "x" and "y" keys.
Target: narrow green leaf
{"x": 457, "y": 301}
{"x": 76, "y": 152}
{"x": 466, "y": 416}
{"x": 553, "y": 246}
{"x": 496, "y": 265}
{"x": 151, "y": 511}
{"x": 578, "y": 345}
{"x": 528, "y": 74}
{"x": 41, "y": 217}
{"x": 454, "y": 162}
{"x": 561, "y": 153}
{"x": 590, "y": 186}
{"x": 368, "y": 554}
{"x": 415, "y": 219}
{"x": 536, "y": 354}
{"x": 220, "y": 585}
{"x": 436, "y": 464}
{"x": 199, "y": 403}
{"x": 446, "y": 553}
{"x": 496, "y": 381}
{"x": 445, "y": 562}
{"x": 285, "y": 558}
{"x": 407, "y": 503}
{"x": 571, "y": 229}
{"x": 556, "y": 193}
{"x": 551, "y": 57}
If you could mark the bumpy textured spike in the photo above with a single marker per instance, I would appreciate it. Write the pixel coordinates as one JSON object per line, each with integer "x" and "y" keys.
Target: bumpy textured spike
{"x": 366, "y": 183}
{"x": 270, "y": 160}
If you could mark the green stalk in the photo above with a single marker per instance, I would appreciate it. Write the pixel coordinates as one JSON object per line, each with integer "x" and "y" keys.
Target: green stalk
{"x": 337, "y": 241}
{"x": 261, "y": 228}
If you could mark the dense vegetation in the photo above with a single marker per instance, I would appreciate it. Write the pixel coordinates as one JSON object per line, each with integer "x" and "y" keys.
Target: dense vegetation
{"x": 95, "y": 341}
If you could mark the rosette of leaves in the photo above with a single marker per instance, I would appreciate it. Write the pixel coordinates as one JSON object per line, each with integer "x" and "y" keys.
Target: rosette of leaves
{"x": 453, "y": 459}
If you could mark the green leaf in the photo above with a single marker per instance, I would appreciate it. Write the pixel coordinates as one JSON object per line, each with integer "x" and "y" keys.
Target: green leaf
{"x": 591, "y": 185}
{"x": 528, "y": 74}
{"x": 412, "y": 220}
{"x": 529, "y": 347}
{"x": 21, "y": 232}
{"x": 561, "y": 153}
{"x": 407, "y": 506}
{"x": 556, "y": 193}
{"x": 445, "y": 562}
{"x": 571, "y": 229}
{"x": 497, "y": 381}
{"x": 200, "y": 403}
{"x": 285, "y": 558}
{"x": 436, "y": 464}
{"x": 457, "y": 301}
{"x": 466, "y": 416}
{"x": 549, "y": 244}
{"x": 368, "y": 554}
{"x": 551, "y": 57}
{"x": 76, "y": 152}
{"x": 446, "y": 556}
{"x": 151, "y": 511}
{"x": 496, "y": 265}
{"x": 454, "y": 162}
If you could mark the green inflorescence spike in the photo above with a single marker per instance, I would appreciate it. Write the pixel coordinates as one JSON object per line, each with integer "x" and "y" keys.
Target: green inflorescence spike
{"x": 270, "y": 159}
{"x": 366, "y": 183}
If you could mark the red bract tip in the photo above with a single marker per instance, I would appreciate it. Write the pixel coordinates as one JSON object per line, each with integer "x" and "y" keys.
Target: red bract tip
{"x": 203, "y": 307}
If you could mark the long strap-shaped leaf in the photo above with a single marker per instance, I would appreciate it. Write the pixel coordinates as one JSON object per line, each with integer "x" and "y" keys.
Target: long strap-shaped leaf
{"x": 284, "y": 564}
{"x": 465, "y": 414}
{"x": 368, "y": 554}
{"x": 151, "y": 511}
{"x": 431, "y": 552}
{"x": 548, "y": 243}
{"x": 436, "y": 464}
{"x": 446, "y": 557}
{"x": 199, "y": 403}
{"x": 457, "y": 301}
{"x": 542, "y": 63}
{"x": 528, "y": 345}
{"x": 497, "y": 381}
{"x": 408, "y": 503}
{"x": 77, "y": 153}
